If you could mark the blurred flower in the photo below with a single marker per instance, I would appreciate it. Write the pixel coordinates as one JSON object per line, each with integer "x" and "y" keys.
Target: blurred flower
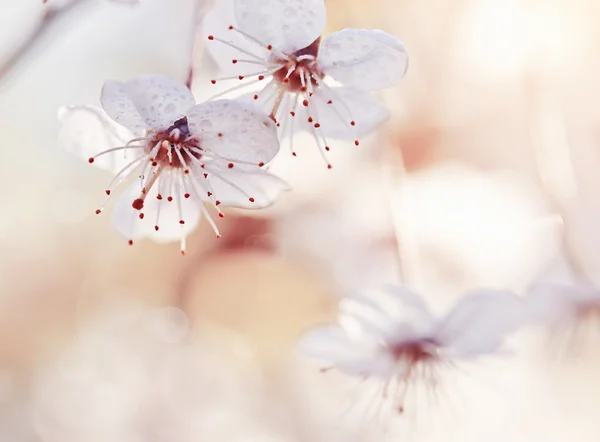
{"x": 391, "y": 335}
{"x": 345, "y": 233}
{"x": 280, "y": 43}
{"x": 188, "y": 153}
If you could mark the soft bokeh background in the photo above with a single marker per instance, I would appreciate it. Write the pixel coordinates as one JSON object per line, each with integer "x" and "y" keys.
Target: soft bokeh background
{"x": 494, "y": 134}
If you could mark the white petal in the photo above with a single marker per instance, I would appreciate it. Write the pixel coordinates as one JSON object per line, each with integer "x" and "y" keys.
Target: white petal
{"x": 216, "y": 23}
{"x": 234, "y": 188}
{"x": 556, "y": 304}
{"x": 338, "y": 107}
{"x": 288, "y": 26}
{"x": 364, "y": 59}
{"x": 147, "y": 101}
{"x": 127, "y": 222}
{"x": 86, "y": 131}
{"x": 332, "y": 346}
{"x": 394, "y": 312}
{"x": 234, "y": 131}
{"x": 479, "y": 323}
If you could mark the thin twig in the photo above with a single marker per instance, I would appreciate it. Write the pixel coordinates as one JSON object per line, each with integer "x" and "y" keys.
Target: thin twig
{"x": 49, "y": 19}
{"x": 409, "y": 256}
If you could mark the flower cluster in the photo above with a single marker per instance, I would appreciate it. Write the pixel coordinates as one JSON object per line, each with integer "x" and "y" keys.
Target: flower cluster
{"x": 179, "y": 155}
{"x": 179, "y": 161}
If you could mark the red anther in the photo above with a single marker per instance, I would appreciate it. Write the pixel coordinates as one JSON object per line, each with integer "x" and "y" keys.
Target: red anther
{"x": 294, "y": 153}
{"x": 98, "y": 211}
{"x": 138, "y": 204}
{"x": 169, "y": 198}
{"x": 251, "y": 200}
{"x": 210, "y": 37}
{"x": 154, "y": 164}
{"x": 221, "y": 215}
{"x": 205, "y": 175}
{"x": 183, "y": 253}
{"x": 186, "y": 171}
{"x": 230, "y": 165}
{"x": 230, "y": 28}
{"x": 220, "y": 134}
{"x": 310, "y": 120}
{"x": 234, "y": 61}
{"x": 261, "y": 164}
{"x": 286, "y": 80}
{"x": 170, "y": 163}
{"x": 241, "y": 77}
{"x": 159, "y": 196}
{"x": 310, "y": 94}
{"x": 186, "y": 195}
{"x": 213, "y": 81}
{"x": 209, "y": 193}
{"x": 261, "y": 77}
{"x": 305, "y": 103}
{"x": 107, "y": 191}
{"x": 330, "y": 102}
{"x": 130, "y": 242}
{"x": 90, "y": 160}
{"x": 293, "y": 114}
{"x": 329, "y": 166}
{"x": 303, "y": 89}
{"x": 218, "y": 236}
{"x": 278, "y": 125}
{"x": 317, "y": 125}
{"x": 181, "y": 221}
{"x": 141, "y": 216}
{"x": 156, "y": 228}
{"x": 256, "y": 97}
{"x": 327, "y": 148}
{"x": 270, "y": 47}
{"x": 356, "y": 143}
{"x": 217, "y": 203}
{"x": 353, "y": 123}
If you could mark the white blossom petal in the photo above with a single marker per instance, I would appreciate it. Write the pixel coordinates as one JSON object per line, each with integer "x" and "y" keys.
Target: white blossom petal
{"x": 217, "y": 24}
{"x": 234, "y": 131}
{"x": 338, "y": 107}
{"x": 287, "y": 26}
{"x": 363, "y": 59}
{"x": 147, "y": 101}
{"x": 86, "y": 131}
{"x": 127, "y": 222}
{"x": 557, "y": 304}
{"x": 392, "y": 312}
{"x": 235, "y": 188}
{"x": 480, "y": 322}
{"x": 353, "y": 357}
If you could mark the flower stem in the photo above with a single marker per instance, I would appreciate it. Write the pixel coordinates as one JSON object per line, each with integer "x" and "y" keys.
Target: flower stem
{"x": 553, "y": 161}
{"x": 399, "y": 197}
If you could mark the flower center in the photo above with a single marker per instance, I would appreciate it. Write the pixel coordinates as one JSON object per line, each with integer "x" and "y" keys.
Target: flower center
{"x": 173, "y": 147}
{"x": 300, "y": 68}
{"x": 413, "y": 352}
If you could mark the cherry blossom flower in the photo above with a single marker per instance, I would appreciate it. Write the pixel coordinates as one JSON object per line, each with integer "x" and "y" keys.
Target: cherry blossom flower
{"x": 312, "y": 83}
{"x": 180, "y": 154}
{"x": 391, "y": 335}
